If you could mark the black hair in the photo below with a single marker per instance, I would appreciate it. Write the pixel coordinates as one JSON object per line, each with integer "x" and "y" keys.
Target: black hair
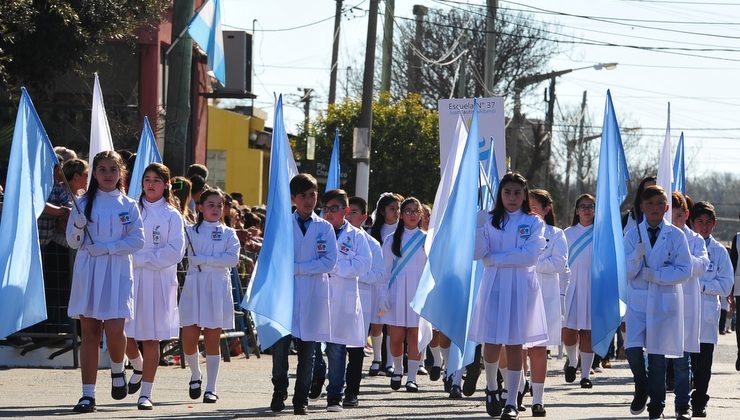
{"x": 302, "y": 183}
{"x": 92, "y": 189}
{"x": 203, "y": 197}
{"x": 636, "y": 211}
{"x": 499, "y": 212}
{"x": 72, "y": 167}
{"x": 384, "y": 201}
{"x": 360, "y": 203}
{"x": 335, "y": 194}
{"x": 576, "y": 218}
{"x": 703, "y": 208}
{"x": 163, "y": 173}
{"x": 653, "y": 191}
{"x": 198, "y": 184}
{"x": 197, "y": 169}
{"x": 396, "y": 245}
{"x": 544, "y": 198}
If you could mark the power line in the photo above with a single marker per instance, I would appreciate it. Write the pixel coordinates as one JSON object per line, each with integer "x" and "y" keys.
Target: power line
{"x": 292, "y": 28}
{"x": 700, "y": 3}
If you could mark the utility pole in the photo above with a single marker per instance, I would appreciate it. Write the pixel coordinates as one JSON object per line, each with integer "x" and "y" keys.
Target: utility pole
{"x": 549, "y": 121}
{"x": 177, "y": 117}
{"x": 335, "y": 53}
{"x": 361, "y": 149}
{"x": 570, "y": 148}
{"x": 385, "y": 77}
{"x": 462, "y": 80}
{"x": 490, "y": 57}
{"x": 306, "y": 99}
{"x": 414, "y": 59}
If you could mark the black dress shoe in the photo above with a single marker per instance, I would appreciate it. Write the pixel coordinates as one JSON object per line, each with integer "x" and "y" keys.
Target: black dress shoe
{"x": 412, "y": 387}
{"x": 471, "y": 379}
{"x": 682, "y": 413}
{"x": 317, "y": 384}
{"x": 586, "y": 383}
{"x": 538, "y": 410}
{"x": 737, "y": 363}
{"x": 85, "y": 405}
{"x": 210, "y": 398}
{"x": 133, "y": 387}
{"x": 570, "y": 374}
{"x": 455, "y": 392}
{"x": 119, "y": 392}
{"x": 374, "y": 369}
{"x": 434, "y": 373}
{"x": 510, "y": 413}
{"x": 144, "y": 403}
{"x": 447, "y": 383}
{"x": 639, "y": 401}
{"x": 396, "y": 382}
{"x": 493, "y": 408}
{"x": 699, "y": 411}
{"x": 278, "y": 401}
{"x": 194, "y": 391}
{"x": 300, "y": 409}
{"x": 350, "y": 401}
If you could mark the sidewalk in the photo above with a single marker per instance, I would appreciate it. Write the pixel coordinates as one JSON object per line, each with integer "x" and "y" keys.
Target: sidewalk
{"x": 245, "y": 390}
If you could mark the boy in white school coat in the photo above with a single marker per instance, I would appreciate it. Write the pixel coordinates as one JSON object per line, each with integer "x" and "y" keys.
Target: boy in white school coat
{"x": 715, "y": 284}
{"x": 658, "y": 261}
{"x": 345, "y": 310}
{"x": 315, "y": 256}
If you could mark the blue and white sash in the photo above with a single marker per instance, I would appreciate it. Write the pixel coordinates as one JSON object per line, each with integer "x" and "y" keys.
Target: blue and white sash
{"x": 407, "y": 252}
{"x": 580, "y": 244}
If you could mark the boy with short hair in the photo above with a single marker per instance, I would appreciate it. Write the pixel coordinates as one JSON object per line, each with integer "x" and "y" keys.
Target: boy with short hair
{"x": 658, "y": 261}
{"x": 715, "y": 283}
{"x": 315, "y": 251}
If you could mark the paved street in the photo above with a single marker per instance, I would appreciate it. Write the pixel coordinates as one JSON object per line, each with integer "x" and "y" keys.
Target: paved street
{"x": 244, "y": 389}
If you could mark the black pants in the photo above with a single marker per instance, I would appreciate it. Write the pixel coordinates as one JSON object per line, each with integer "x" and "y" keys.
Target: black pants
{"x": 722, "y": 321}
{"x": 355, "y": 358}
{"x": 701, "y": 366}
{"x": 737, "y": 327}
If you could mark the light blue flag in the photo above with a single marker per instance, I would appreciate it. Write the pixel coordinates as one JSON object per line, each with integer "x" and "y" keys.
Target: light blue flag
{"x": 608, "y": 264}
{"x": 679, "y": 169}
{"x": 332, "y": 176}
{"x": 444, "y": 296}
{"x": 205, "y": 29}
{"x": 270, "y": 293}
{"x": 146, "y": 154}
{"x": 29, "y": 182}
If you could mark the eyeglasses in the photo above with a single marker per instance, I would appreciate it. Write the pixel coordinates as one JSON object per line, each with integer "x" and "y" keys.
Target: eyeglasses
{"x": 411, "y": 212}
{"x": 586, "y": 207}
{"x": 332, "y": 209}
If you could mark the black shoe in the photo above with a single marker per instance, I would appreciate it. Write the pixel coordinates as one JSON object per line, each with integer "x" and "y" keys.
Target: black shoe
{"x": 682, "y": 413}
{"x": 119, "y": 392}
{"x": 639, "y": 401}
{"x": 278, "y": 401}
{"x": 434, "y": 373}
{"x": 134, "y": 387}
{"x": 670, "y": 385}
{"x": 350, "y": 401}
{"x": 493, "y": 408}
{"x": 455, "y": 392}
{"x": 471, "y": 379}
{"x": 570, "y": 374}
{"x": 422, "y": 371}
{"x": 194, "y": 392}
{"x": 396, "y": 382}
{"x": 520, "y": 401}
{"x": 737, "y": 362}
{"x": 447, "y": 383}
{"x": 317, "y": 384}
{"x": 144, "y": 403}
{"x": 85, "y": 405}
{"x": 300, "y": 409}
{"x": 655, "y": 414}
{"x": 374, "y": 369}
{"x": 510, "y": 413}
{"x": 412, "y": 387}
{"x": 586, "y": 383}
{"x": 334, "y": 405}
{"x": 699, "y": 411}
{"x": 389, "y": 371}
{"x": 699, "y": 404}
{"x": 210, "y": 398}
{"x": 538, "y": 410}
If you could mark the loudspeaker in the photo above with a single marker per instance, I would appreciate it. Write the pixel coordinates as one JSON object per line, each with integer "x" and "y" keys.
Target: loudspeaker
{"x": 238, "y": 57}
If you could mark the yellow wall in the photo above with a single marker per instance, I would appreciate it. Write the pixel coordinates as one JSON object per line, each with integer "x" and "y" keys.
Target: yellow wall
{"x": 245, "y": 168}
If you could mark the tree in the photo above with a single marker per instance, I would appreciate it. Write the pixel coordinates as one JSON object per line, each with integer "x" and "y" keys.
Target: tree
{"x": 405, "y": 145}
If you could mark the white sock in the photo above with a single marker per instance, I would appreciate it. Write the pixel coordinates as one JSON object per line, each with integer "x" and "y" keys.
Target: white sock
{"x": 491, "y": 373}
{"x": 388, "y": 350}
{"x": 117, "y": 367}
{"x": 505, "y": 376}
{"x": 522, "y": 382}
{"x": 88, "y": 390}
{"x": 413, "y": 368}
{"x": 146, "y": 389}
{"x": 572, "y": 353}
{"x": 398, "y": 365}
{"x": 537, "y": 391}
{"x": 445, "y": 352}
{"x": 377, "y": 341}
{"x": 587, "y": 359}
{"x": 457, "y": 377}
{"x": 192, "y": 361}
{"x": 512, "y": 378}
{"x": 212, "y": 364}
{"x": 437, "y": 353}
{"x": 137, "y": 364}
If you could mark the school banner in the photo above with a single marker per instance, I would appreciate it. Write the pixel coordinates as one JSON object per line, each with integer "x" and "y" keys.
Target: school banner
{"x": 491, "y": 125}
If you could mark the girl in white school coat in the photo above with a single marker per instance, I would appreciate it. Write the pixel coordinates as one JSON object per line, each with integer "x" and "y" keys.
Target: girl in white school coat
{"x": 509, "y": 309}
{"x": 577, "y": 328}
{"x": 155, "y": 280}
{"x": 206, "y": 301}
{"x": 385, "y": 220}
{"x": 404, "y": 257}
{"x": 551, "y": 265}
{"x": 715, "y": 284}
{"x": 106, "y": 233}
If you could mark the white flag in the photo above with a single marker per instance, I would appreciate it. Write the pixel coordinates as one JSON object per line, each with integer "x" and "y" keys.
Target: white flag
{"x": 665, "y": 167}
{"x": 100, "y": 138}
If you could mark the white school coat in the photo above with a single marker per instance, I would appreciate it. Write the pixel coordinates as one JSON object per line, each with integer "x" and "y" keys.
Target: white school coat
{"x": 654, "y": 317}
{"x": 716, "y": 283}
{"x": 371, "y": 282}
{"x": 206, "y": 299}
{"x": 402, "y": 291}
{"x": 578, "y": 295}
{"x": 155, "y": 273}
{"x": 315, "y": 256}
{"x": 353, "y": 260}
{"x": 102, "y": 286}
{"x": 551, "y": 266}
{"x": 692, "y": 291}
{"x": 509, "y": 308}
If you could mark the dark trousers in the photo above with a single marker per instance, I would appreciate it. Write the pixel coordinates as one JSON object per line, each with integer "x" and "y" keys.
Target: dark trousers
{"x": 701, "y": 365}
{"x": 722, "y": 320}
{"x": 356, "y": 355}
{"x": 280, "y": 351}
{"x": 650, "y": 379}
{"x": 737, "y": 327}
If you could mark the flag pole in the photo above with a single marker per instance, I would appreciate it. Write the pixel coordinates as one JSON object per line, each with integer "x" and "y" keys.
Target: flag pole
{"x": 192, "y": 250}
{"x": 77, "y": 207}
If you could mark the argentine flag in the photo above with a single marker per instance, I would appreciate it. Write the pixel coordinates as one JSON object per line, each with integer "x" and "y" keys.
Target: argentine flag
{"x": 205, "y": 29}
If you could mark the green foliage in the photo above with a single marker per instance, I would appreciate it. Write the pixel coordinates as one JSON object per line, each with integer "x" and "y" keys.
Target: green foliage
{"x": 405, "y": 146}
